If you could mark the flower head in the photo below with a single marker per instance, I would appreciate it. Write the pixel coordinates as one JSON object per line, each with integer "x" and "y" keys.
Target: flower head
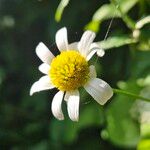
{"x": 70, "y": 70}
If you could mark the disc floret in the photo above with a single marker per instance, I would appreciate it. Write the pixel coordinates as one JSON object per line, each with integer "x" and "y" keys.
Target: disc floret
{"x": 69, "y": 70}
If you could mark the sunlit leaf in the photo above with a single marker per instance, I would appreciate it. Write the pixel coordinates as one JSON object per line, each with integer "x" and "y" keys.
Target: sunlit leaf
{"x": 105, "y": 12}
{"x": 108, "y": 11}
{"x": 144, "y": 144}
{"x": 116, "y": 41}
{"x": 145, "y": 129}
{"x": 93, "y": 25}
{"x": 126, "y": 5}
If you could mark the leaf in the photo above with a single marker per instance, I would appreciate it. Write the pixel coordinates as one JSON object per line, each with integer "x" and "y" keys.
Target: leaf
{"x": 116, "y": 41}
{"x": 126, "y": 5}
{"x": 105, "y": 12}
{"x": 144, "y": 144}
{"x": 145, "y": 129}
{"x": 140, "y": 66}
{"x": 108, "y": 11}
{"x": 60, "y": 9}
{"x": 122, "y": 130}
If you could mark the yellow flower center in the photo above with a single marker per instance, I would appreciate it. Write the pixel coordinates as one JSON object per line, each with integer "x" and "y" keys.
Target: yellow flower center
{"x": 69, "y": 70}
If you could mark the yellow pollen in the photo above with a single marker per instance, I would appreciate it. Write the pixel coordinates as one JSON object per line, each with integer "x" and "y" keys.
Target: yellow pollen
{"x": 69, "y": 70}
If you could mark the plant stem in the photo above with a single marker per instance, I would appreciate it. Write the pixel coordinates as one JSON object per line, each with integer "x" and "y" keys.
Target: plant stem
{"x": 129, "y": 22}
{"x": 131, "y": 95}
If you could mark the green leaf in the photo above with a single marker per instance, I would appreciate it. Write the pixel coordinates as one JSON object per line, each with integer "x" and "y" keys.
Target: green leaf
{"x": 145, "y": 129}
{"x": 122, "y": 130}
{"x": 60, "y": 9}
{"x": 105, "y": 12}
{"x": 144, "y": 144}
{"x": 116, "y": 41}
{"x": 108, "y": 11}
{"x": 140, "y": 64}
{"x": 125, "y": 5}
{"x": 93, "y": 25}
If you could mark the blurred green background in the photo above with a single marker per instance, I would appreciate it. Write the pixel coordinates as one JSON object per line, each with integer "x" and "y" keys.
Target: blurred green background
{"x": 26, "y": 123}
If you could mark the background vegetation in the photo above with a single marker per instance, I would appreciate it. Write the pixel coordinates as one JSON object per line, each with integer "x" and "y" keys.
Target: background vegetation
{"x": 27, "y": 122}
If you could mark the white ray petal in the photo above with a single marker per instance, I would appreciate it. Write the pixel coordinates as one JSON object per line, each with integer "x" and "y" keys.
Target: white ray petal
{"x": 92, "y": 73}
{"x": 56, "y": 105}
{"x": 73, "y": 105}
{"x": 62, "y": 39}
{"x": 99, "y": 90}
{"x": 100, "y": 52}
{"x": 67, "y": 95}
{"x": 73, "y": 46}
{"x": 42, "y": 84}
{"x": 44, "y": 53}
{"x": 93, "y": 49}
{"x": 90, "y": 55}
{"x": 44, "y": 68}
{"x": 85, "y": 42}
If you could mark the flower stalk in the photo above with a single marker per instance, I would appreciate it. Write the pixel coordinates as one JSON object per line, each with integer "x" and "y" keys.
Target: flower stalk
{"x": 118, "y": 91}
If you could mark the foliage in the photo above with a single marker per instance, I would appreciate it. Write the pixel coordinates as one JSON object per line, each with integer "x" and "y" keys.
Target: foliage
{"x": 27, "y": 122}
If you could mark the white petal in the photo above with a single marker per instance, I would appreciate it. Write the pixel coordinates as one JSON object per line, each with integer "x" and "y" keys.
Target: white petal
{"x": 56, "y": 105}
{"x": 85, "y": 42}
{"x": 42, "y": 84}
{"x": 90, "y": 55}
{"x": 67, "y": 95}
{"x": 100, "y": 52}
{"x": 73, "y": 46}
{"x": 73, "y": 105}
{"x": 99, "y": 90}
{"x": 92, "y": 73}
{"x": 44, "y": 53}
{"x": 97, "y": 47}
{"x": 93, "y": 49}
{"x": 45, "y": 79}
{"x": 44, "y": 68}
{"x": 61, "y": 39}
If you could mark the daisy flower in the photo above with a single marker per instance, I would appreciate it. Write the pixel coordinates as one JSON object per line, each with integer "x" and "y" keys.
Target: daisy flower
{"x": 69, "y": 71}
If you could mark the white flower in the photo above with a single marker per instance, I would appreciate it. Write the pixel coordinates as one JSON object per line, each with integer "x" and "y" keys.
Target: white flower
{"x": 69, "y": 71}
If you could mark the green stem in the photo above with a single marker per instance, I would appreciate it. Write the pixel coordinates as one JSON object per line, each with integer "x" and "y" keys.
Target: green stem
{"x": 131, "y": 95}
{"x": 129, "y": 22}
